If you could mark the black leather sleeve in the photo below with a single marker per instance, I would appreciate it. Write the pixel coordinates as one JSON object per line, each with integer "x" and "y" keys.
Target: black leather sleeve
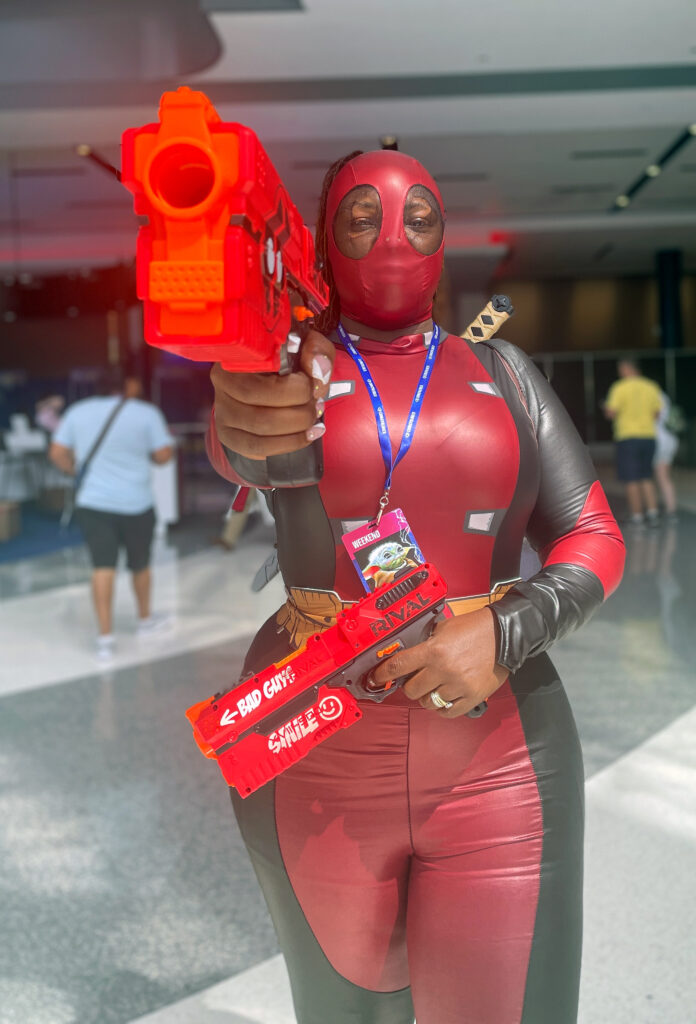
{"x": 252, "y": 471}
{"x": 541, "y": 610}
{"x": 292, "y": 469}
{"x": 564, "y": 593}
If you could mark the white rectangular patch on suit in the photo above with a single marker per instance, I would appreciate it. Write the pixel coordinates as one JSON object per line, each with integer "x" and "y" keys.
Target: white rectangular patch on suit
{"x": 481, "y": 522}
{"x": 337, "y": 388}
{"x": 484, "y": 387}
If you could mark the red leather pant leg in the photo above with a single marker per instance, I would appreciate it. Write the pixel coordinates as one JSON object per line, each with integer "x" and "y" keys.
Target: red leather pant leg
{"x": 343, "y": 827}
{"x": 477, "y": 829}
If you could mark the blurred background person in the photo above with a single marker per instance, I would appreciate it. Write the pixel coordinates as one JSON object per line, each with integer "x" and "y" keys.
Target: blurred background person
{"x": 48, "y": 411}
{"x": 247, "y": 502}
{"x": 633, "y": 403}
{"x": 109, "y": 442}
{"x": 666, "y": 445}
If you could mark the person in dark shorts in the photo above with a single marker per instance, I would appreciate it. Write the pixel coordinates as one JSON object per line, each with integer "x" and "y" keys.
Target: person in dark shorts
{"x": 106, "y": 532}
{"x": 114, "y": 499}
{"x": 633, "y": 404}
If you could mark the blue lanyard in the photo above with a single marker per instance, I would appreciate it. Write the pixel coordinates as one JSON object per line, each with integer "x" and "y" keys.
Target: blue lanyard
{"x": 390, "y": 463}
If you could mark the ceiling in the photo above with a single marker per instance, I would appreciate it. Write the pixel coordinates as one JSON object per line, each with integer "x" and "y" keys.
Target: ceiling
{"x": 534, "y": 115}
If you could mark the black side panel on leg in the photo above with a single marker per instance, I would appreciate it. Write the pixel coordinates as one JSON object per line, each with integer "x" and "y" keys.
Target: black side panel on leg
{"x": 553, "y": 977}
{"x": 320, "y": 994}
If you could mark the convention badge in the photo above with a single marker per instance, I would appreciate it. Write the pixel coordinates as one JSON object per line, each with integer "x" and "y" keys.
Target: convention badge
{"x": 383, "y": 552}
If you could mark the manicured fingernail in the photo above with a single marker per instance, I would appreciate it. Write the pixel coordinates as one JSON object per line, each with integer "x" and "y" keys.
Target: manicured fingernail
{"x": 319, "y": 406}
{"x": 316, "y": 431}
{"x": 321, "y": 368}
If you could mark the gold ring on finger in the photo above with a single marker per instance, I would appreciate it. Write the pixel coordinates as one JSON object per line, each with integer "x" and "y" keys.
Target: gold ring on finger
{"x": 439, "y": 701}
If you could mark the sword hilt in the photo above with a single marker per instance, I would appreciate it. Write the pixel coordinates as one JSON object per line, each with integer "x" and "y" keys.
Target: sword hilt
{"x": 489, "y": 320}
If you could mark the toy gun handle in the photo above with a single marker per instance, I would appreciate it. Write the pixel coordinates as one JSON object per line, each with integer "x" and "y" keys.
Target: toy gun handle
{"x": 306, "y": 466}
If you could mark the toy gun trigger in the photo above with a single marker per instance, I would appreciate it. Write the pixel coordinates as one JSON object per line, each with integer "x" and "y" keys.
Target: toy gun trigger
{"x": 381, "y": 655}
{"x": 302, "y": 322}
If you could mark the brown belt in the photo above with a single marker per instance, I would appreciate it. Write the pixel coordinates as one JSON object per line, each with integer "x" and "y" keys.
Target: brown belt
{"x": 311, "y": 611}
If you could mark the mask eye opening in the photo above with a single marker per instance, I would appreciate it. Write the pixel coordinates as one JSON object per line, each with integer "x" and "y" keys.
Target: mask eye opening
{"x": 423, "y": 219}
{"x": 357, "y": 222}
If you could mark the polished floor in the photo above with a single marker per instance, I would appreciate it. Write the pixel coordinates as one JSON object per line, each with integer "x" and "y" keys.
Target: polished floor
{"x": 125, "y": 891}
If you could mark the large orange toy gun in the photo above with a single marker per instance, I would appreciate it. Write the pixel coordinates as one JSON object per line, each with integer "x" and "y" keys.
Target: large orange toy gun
{"x": 271, "y": 720}
{"x": 225, "y": 264}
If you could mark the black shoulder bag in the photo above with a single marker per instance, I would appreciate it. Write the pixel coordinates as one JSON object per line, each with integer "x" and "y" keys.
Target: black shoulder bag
{"x": 71, "y": 495}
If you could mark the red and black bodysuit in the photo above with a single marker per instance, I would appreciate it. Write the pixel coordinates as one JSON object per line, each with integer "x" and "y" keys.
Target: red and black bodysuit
{"x": 417, "y": 865}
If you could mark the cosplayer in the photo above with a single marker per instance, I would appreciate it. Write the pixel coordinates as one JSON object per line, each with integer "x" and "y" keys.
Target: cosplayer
{"x": 424, "y": 863}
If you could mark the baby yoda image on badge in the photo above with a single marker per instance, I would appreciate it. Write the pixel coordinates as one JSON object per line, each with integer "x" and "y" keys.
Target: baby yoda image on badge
{"x": 387, "y": 561}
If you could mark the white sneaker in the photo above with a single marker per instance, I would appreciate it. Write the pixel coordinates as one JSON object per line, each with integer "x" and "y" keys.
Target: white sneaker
{"x": 652, "y": 517}
{"x": 153, "y": 625}
{"x": 105, "y": 647}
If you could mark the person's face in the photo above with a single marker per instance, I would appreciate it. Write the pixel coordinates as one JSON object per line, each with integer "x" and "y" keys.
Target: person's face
{"x": 358, "y": 221}
{"x": 385, "y": 239}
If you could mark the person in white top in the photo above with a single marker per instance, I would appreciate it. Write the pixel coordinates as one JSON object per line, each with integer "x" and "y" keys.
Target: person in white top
{"x": 114, "y": 501}
{"x": 666, "y": 447}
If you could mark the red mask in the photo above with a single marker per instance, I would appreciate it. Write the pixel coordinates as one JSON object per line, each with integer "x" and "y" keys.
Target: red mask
{"x": 393, "y": 284}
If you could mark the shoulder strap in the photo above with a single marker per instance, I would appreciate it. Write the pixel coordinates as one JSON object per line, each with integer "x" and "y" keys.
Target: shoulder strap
{"x": 97, "y": 444}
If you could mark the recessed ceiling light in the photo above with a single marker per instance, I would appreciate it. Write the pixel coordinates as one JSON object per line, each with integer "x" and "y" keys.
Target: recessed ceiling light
{"x": 622, "y": 201}
{"x": 653, "y": 170}
{"x": 692, "y": 129}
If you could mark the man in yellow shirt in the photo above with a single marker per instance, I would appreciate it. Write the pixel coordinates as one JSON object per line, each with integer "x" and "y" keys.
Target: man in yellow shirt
{"x": 633, "y": 403}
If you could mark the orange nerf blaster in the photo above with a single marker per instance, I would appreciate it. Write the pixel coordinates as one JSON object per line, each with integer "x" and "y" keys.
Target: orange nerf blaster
{"x": 225, "y": 264}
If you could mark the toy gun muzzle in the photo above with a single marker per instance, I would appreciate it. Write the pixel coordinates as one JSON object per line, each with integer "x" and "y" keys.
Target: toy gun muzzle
{"x": 223, "y": 255}
{"x": 183, "y": 179}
